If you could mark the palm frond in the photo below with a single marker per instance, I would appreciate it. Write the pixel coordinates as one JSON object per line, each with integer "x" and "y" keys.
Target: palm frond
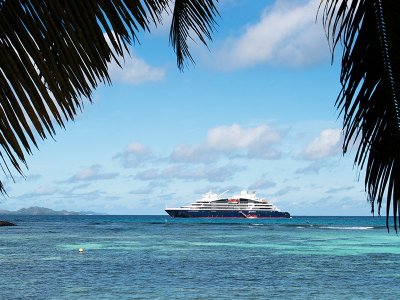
{"x": 52, "y": 55}
{"x": 191, "y": 15}
{"x": 369, "y": 98}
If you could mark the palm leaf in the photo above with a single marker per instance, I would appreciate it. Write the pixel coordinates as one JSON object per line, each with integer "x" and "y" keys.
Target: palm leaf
{"x": 54, "y": 53}
{"x": 191, "y": 15}
{"x": 369, "y": 99}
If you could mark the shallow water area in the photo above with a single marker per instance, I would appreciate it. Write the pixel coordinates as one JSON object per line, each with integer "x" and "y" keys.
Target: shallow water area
{"x": 148, "y": 257}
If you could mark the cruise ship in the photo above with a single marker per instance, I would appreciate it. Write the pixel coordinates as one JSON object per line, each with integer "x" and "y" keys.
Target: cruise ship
{"x": 244, "y": 205}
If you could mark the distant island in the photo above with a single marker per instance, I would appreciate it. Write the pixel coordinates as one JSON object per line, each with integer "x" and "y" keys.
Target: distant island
{"x": 36, "y": 211}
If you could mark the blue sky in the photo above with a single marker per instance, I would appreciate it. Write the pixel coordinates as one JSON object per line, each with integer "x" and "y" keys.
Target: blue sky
{"x": 255, "y": 112}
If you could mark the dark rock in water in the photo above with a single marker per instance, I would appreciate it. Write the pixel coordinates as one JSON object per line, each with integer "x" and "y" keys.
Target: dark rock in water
{"x": 5, "y": 223}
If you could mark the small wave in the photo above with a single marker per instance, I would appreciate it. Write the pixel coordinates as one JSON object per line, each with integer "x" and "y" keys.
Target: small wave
{"x": 348, "y": 228}
{"x": 297, "y": 225}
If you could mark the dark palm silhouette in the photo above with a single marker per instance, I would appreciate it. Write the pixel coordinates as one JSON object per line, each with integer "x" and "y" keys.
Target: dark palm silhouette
{"x": 54, "y": 53}
{"x": 369, "y": 100}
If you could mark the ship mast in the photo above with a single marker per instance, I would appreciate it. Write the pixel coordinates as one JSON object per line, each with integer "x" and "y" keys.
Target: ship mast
{"x": 222, "y": 193}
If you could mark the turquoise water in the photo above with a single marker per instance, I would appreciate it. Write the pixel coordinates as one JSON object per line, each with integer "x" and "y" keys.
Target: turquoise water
{"x": 157, "y": 257}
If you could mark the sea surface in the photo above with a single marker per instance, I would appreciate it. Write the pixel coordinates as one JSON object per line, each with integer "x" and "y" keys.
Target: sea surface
{"x": 158, "y": 257}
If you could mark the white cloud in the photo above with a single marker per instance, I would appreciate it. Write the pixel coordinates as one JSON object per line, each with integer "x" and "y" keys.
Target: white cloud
{"x": 149, "y": 174}
{"x": 315, "y": 167}
{"x": 146, "y": 190}
{"x": 90, "y": 174}
{"x": 286, "y": 190}
{"x": 190, "y": 154}
{"x": 215, "y": 174}
{"x": 262, "y": 184}
{"x": 45, "y": 190}
{"x": 235, "y": 137}
{"x": 328, "y": 143}
{"x": 340, "y": 189}
{"x": 187, "y": 173}
{"x": 135, "y": 155}
{"x": 135, "y": 71}
{"x": 138, "y": 149}
{"x": 253, "y": 142}
{"x": 286, "y": 33}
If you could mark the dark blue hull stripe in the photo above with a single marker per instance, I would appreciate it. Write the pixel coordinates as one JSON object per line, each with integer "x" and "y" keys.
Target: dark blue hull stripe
{"x": 225, "y": 214}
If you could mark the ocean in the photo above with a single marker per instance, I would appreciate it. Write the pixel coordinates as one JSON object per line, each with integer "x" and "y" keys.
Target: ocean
{"x": 158, "y": 257}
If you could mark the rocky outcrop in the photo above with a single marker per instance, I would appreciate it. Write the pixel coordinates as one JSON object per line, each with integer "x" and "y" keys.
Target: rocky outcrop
{"x": 5, "y": 223}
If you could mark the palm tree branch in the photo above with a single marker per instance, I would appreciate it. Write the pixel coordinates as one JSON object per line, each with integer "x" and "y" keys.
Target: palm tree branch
{"x": 54, "y": 53}
{"x": 369, "y": 100}
{"x": 191, "y": 15}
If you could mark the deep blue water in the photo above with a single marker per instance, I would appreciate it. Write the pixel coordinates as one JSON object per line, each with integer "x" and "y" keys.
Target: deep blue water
{"x": 157, "y": 257}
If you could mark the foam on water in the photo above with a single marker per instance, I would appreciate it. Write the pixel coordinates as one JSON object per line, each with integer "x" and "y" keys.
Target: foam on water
{"x": 348, "y": 228}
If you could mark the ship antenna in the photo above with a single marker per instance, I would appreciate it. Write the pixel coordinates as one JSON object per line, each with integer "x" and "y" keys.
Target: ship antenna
{"x": 223, "y": 193}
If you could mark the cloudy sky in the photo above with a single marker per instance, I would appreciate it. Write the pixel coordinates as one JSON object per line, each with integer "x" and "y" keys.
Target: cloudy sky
{"x": 255, "y": 112}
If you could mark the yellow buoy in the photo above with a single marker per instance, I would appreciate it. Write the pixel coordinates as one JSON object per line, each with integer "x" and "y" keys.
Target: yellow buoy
{"x": 81, "y": 250}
